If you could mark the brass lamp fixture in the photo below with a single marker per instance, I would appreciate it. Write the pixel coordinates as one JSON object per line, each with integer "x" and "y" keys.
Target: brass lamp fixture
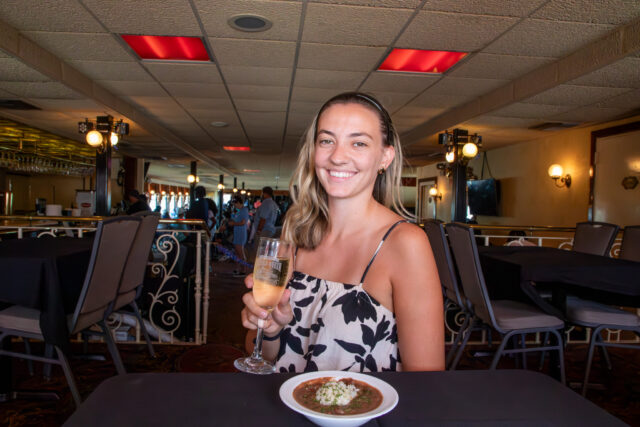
{"x": 105, "y": 131}
{"x": 221, "y": 183}
{"x": 434, "y": 195}
{"x": 235, "y": 185}
{"x": 243, "y": 191}
{"x": 557, "y": 174}
{"x": 460, "y": 147}
{"x": 192, "y": 178}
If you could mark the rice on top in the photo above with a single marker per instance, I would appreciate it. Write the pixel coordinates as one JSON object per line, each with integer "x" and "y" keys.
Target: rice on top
{"x": 335, "y": 392}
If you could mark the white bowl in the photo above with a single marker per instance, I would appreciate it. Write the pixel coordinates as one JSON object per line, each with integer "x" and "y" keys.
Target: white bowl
{"x": 389, "y": 399}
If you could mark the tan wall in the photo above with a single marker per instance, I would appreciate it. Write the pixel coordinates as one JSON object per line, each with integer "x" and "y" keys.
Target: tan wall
{"x": 529, "y": 195}
{"x": 56, "y": 189}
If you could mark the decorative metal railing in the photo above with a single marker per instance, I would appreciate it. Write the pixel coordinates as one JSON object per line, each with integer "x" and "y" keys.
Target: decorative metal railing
{"x": 558, "y": 237}
{"x": 174, "y": 240}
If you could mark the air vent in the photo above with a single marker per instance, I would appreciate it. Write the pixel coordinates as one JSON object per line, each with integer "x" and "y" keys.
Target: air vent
{"x": 549, "y": 126}
{"x": 249, "y": 23}
{"x": 16, "y": 104}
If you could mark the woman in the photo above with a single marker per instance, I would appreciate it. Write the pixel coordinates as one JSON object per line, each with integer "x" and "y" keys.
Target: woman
{"x": 239, "y": 223}
{"x": 365, "y": 294}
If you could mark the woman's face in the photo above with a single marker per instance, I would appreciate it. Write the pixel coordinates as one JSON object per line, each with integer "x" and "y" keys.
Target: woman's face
{"x": 349, "y": 150}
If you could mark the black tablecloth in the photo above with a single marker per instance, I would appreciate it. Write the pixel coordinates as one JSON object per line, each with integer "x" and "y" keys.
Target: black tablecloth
{"x": 426, "y": 398}
{"x": 591, "y": 276}
{"x": 46, "y": 274}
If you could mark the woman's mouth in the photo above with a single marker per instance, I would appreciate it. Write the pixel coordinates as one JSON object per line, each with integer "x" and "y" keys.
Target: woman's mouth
{"x": 341, "y": 174}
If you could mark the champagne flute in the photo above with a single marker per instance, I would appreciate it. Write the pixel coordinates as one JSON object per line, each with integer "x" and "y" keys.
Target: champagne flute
{"x": 270, "y": 277}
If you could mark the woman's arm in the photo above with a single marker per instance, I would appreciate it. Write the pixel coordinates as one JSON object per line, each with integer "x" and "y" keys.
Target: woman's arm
{"x": 417, "y": 301}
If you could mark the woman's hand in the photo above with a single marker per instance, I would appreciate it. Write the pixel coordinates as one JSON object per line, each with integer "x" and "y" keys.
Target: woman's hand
{"x": 253, "y": 315}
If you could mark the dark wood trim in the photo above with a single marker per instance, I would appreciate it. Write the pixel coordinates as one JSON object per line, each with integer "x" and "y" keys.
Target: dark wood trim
{"x": 418, "y": 201}
{"x": 603, "y": 133}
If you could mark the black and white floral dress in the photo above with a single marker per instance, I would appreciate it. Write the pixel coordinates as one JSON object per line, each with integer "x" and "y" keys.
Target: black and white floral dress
{"x": 337, "y": 326}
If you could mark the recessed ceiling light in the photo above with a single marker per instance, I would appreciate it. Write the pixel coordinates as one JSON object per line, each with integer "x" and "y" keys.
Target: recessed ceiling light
{"x": 219, "y": 124}
{"x": 250, "y": 23}
{"x": 420, "y": 61}
{"x": 168, "y": 48}
{"x": 236, "y": 148}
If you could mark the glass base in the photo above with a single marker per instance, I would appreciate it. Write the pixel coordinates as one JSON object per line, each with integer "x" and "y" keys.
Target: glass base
{"x": 254, "y": 366}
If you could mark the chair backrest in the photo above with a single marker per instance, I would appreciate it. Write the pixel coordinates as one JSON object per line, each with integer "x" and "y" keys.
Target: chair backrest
{"x": 630, "y": 249}
{"x": 444, "y": 261}
{"x": 136, "y": 264}
{"x": 111, "y": 246}
{"x": 594, "y": 237}
{"x": 465, "y": 254}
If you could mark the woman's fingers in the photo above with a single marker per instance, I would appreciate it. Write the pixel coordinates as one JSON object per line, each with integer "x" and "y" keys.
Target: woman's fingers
{"x": 253, "y": 307}
{"x": 248, "y": 281}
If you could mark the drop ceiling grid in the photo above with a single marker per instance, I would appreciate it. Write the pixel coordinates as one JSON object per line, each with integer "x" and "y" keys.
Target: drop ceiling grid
{"x": 575, "y": 95}
{"x": 615, "y": 12}
{"x": 112, "y": 70}
{"x": 58, "y": 16}
{"x": 253, "y": 53}
{"x": 515, "y": 8}
{"x": 509, "y": 67}
{"x": 166, "y": 72}
{"x": 268, "y": 76}
{"x": 81, "y": 46}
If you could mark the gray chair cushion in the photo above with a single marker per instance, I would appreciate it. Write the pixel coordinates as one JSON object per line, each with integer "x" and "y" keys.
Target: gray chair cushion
{"x": 19, "y": 318}
{"x": 591, "y": 313}
{"x": 512, "y": 315}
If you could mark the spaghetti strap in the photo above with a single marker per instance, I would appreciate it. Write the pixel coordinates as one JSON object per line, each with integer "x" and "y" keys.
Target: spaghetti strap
{"x": 366, "y": 270}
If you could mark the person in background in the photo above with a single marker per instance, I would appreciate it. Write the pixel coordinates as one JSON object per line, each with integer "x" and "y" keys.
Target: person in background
{"x": 137, "y": 202}
{"x": 199, "y": 208}
{"x": 266, "y": 215}
{"x": 239, "y": 223}
{"x": 365, "y": 293}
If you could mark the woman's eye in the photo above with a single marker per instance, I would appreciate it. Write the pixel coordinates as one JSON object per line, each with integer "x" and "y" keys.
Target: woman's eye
{"x": 325, "y": 142}
{"x": 359, "y": 144}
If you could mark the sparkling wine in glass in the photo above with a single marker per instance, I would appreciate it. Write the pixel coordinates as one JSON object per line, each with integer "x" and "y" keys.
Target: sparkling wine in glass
{"x": 270, "y": 277}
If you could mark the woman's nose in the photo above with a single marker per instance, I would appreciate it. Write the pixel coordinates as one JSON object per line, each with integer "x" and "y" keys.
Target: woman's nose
{"x": 339, "y": 154}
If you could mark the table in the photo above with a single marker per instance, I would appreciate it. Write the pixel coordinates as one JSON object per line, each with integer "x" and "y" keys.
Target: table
{"x": 608, "y": 280}
{"x": 46, "y": 274}
{"x": 504, "y": 397}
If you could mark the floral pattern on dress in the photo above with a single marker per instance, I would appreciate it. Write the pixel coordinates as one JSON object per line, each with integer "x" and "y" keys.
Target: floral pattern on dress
{"x": 336, "y": 326}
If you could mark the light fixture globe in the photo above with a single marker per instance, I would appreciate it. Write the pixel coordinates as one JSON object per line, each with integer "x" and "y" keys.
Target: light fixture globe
{"x": 433, "y": 191}
{"x": 94, "y": 138}
{"x": 191, "y": 179}
{"x": 113, "y": 138}
{"x": 555, "y": 171}
{"x": 469, "y": 150}
{"x": 450, "y": 157}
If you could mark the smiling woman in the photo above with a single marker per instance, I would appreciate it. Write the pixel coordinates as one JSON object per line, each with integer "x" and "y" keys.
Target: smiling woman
{"x": 342, "y": 310}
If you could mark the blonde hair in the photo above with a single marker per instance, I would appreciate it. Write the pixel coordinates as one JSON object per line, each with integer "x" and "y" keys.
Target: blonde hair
{"x": 307, "y": 220}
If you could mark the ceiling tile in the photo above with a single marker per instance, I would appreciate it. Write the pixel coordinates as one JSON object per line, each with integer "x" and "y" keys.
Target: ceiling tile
{"x": 489, "y": 66}
{"x": 392, "y": 100}
{"x": 341, "y": 58}
{"x": 86, "y": 47}
{"x": 386, "y": 81}
{"x": 616, "y": 12}
{"x": 326, "y": 79}
{"x": 534, "y": 111}
{"x": 452, "y": 31}
{"x": 574, "y": 95}
{"x": 52, "y": 90}
{"x": 267, "y": 93}
{"x": 257, "y": 75}
{"x": 435, "y": 100}
{"x": 307, "y": 94}
{"x": 308, "y": 109}
{"x": 352, "y": 24}
{"x": 260, "y": 105}
{"x": 71, "y": 105}
{"x": 623, "y": 73}
{"x": 59, "y": 15}
{"x": 591, "y": 114}
{"x": 285, "y": 17}
{"x": 134, "y": 88}
{"x": 171, "y": 18}
{"x": 196, "y": 90}
{"x": 464, "y": 86}
{"x": 253, "y": 53}
{"x": 628, "y": 100}
{"x": 535, "y": 37}
{"x": 13, "y": 70}
{"x": 407, "y": 4}
{"x": 205, "y": 103}
{"x": 106, "y": 70}
{"x": 192, "y": 73}
{"x": 485, "y": 7}
{"x": 502, "y": 122}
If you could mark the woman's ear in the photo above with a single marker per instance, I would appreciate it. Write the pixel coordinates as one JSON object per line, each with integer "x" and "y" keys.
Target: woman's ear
{"x": 388, "y": 154}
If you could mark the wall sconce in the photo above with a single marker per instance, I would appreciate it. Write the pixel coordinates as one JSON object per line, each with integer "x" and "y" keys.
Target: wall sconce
{"x": 105, "y": 131}
{"x": 434, "y": 195}
{"x": 557, "y": 174}
{"x": 221, "y": 183}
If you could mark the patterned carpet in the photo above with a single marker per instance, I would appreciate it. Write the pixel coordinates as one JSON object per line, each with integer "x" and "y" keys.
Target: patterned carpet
{"x": 620, "y": 397}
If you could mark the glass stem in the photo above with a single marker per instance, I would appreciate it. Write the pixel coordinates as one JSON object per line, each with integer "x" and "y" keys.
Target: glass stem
{"x": 257, "y": 350}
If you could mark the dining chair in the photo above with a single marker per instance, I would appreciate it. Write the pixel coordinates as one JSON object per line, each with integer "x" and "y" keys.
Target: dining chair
{"x": 453, "y": 295}
{"x": 135, "y": 268}
{"x": 594, "y": 237}
{"x": 111, "y": 246}
{"x": 509, "y": 318}
{"x": 630, "y": 249}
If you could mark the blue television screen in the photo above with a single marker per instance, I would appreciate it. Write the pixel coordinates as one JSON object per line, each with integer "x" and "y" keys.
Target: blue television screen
{"x": 483, "y": 197}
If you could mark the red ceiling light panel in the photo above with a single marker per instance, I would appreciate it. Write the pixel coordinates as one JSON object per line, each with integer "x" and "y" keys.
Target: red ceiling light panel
{"x": 235, "y": 148}
{"x": 168, "y": 48}
{"x": 420, "y": 61}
